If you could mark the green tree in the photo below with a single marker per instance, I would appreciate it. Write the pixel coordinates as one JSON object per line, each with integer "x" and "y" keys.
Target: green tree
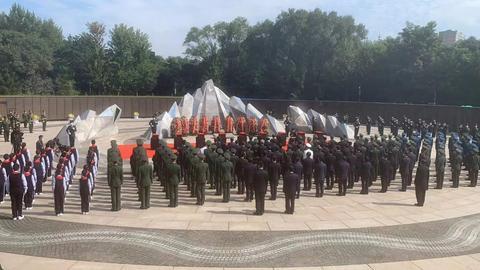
{"x": 134, "y": 67}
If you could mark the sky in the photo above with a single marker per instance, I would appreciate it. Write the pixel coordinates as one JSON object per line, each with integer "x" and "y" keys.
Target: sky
{"x": 168, "y": 21}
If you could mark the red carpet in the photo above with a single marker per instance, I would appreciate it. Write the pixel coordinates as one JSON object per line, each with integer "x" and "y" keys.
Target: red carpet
{"x": 126, "y": 150}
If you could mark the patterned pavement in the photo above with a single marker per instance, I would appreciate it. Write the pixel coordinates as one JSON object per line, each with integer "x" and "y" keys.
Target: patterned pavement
{"x": 73, "y": 241}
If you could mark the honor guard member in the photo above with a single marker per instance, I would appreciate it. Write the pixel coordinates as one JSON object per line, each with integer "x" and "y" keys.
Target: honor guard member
{"x": 298, "y": 168}
{"x": 201, "y": 176}
{"x": 405, "y": 170}
{"x": 59, "y": 187}
{"x": 17, "y": 189}
{"x": 113, "y": 154}
{"x": 421, "y": 182}
{"x": 39, "y": 145}
{"x": 39, "y": 167}
{"x": 369, "y": 125}
{"x": 274, "y": 169}
{"x": 1, "y": 124}
{"x": 261, "y": 180}
{"x": 115, "y": 182}
{"x": 226, "y": 177}
{"x": 307, "y": 164}
{"x": 366, "y": 175}
{"x": 249, "y": 172}
{"x": 145, "y": 180}
{"x": 85, "y": 187}
{"x": 6, "y": 129}
{"x": 473, "y": 169}
{"x": 173, "y": 181}
{"x": 16, "y": 138}
{"x": 43, "y": 119}
{"x": 139, "y": 154}
{"x": 356, "y": 125}
{"x": 24, "y": 119}
{"x": 344, "y": 167}
{"x": 153, "y": 124}
{"x": 440, "y": 162}
{"x": 456, "y": 164}
{"x": 290, "y": 189}
{"x": 319, "y": 174}
{"x": 31, "y": 178}
{"x": 3, "y": 182}
{"x": 71, "y": 130}
{"x": 30, "y": 125}
{"x": 381, "y": 125}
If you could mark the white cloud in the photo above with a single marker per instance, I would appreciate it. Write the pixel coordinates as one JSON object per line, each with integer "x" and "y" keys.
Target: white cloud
{"x": 168, "y": 21}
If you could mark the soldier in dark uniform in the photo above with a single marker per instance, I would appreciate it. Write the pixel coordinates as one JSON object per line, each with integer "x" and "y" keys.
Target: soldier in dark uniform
{"x": 115, "y": 182}
{"x": 298, "y": 168}
{"x": 39, "y": 145}
{"x": 261, "y": 180}
{"x": 145, "y": 180}
{"x": 385, "y": 173}
{"x": 226, "y": 177}
{"x": 274, "y": 169}
{"x": 30, "y": 125}
{"x": 404, "y": 171}
{"x": 366, "y": 173}
{"x": 16, "y": 139}
{"x": 43, "y": 119}
{"x": 173, "y": 181}
{"x": 440, "y": 162}
{"x": 319, "y": 174}
{"x": 344, "y": 168}
{"x": 201, "y": 176}
{"x": 356, "y": 126}
{"x": 24, "y": 119}
{"x": 473, "y": 170}
{"x": 307, "y": 172}
{"x": 369, "y": 125}
{"x": 153, "y": 124}
{"x": 290, "y": 188}
{"x": 456, "y": 164}
{"x": 381, "y": 125}
{"x": 71, "y": 129}
{"x": 249, "y": 172}
{"x": 421, "y": 182}
{"x": 6, "y": 129}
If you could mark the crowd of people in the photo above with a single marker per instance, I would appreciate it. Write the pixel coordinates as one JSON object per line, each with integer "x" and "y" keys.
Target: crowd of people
{"x": 252, "y": 166}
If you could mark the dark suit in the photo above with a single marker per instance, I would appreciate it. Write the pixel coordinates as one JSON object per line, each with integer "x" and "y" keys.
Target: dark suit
{"x": 319, "y": 174}
{"x": 290, "y": 188}
{"x": 261, "y": 178}
{"x": 307, "y": 173}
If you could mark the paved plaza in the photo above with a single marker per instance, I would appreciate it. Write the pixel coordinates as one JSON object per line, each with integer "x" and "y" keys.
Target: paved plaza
{"x": 374, "y": 231}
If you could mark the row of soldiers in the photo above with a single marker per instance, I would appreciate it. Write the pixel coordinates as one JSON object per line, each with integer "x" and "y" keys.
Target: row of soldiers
{"x": 12, "y": 121}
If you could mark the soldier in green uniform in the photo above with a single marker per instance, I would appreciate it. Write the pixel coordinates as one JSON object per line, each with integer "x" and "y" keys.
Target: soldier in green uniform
{"x": 139, "y": 154}
{"x": 113, "y": 154}
{"x": 24, "y": 119}
{"x": 226, "y": 177}
{"x": 473, "y": 172}
{"x": 115, "y": 182}
{"x": 173, "y": 181}
{"x": 191, "y": 172}
{"x": 1, "y": 124}
{"x": 440, "y": 162}
{"x": 43, "y": 119}
{"x": 30, "y": 125}
{"x": 145, "y": 180}
{"x": 218, "y": 171}
{"x": 201, "y": 177}
{"x": 6, "y": 129}
{"x": 456, "y": 164}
